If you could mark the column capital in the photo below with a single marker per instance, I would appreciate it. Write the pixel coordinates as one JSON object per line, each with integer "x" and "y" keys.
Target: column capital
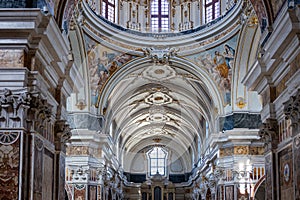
{"x": 269, "y": 134}
{"x": 62, "y": 134}
{"x": 292, "y": 111}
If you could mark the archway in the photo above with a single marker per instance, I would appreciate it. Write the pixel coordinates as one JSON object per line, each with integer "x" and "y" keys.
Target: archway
{"x": 157, "y": 193}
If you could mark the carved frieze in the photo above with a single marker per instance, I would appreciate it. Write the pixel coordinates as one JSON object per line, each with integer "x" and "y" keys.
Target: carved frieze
{"x": 292, "y": 111}
{"x": 269, "y": 134}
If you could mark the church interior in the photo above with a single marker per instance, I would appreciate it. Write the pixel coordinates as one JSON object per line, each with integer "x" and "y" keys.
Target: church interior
{"x": 149, "y": 99}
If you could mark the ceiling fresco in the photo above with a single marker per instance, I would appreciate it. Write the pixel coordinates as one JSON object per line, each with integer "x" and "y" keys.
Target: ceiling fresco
{"x": 219, "y": 63}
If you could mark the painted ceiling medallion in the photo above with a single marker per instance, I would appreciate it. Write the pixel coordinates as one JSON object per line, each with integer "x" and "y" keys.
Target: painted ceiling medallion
{"x": 158, "y": 98}
{"x": 159, "y": 73}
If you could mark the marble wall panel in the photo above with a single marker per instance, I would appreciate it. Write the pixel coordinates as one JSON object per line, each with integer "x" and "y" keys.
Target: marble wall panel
{"x": 61, "y": 184}
{"x": 11, "y": 58}
{"x": 38, "y": 169}
{"x": 285, "y": 158}
{"x": 9, "y": 170}
{"x": 269, "y": 176}
{"x": 48, "y": 175}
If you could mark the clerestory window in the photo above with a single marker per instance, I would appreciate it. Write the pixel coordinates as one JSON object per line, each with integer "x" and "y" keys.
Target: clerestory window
{"x": 212, "y": 10}
{"x": 157, "y": 161}
{"x": 108, "y": 9}
{"x": 159, "y": 15}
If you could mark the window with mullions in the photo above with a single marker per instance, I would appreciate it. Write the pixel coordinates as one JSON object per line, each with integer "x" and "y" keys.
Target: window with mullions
{"x": 212, "y": 10}
{"x": 159, "y": 15}
{"x": 157, "y": 161}
{"x": 108, "y": 9}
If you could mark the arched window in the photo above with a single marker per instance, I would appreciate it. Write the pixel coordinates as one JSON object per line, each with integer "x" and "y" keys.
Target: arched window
{"x": 159, "y": 15}
{"x": 157, "y": 161}
{"x": 108, "y": 9}
{"x": 212, "y": 10}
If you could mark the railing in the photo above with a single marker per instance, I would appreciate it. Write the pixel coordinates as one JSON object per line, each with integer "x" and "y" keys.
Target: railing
{"x": 257, "y": 173}
{"x": 253, "y": 175}
{"x": 166, "y": 34}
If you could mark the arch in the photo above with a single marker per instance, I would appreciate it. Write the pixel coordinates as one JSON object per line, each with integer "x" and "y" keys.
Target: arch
{"x": 260, "y": 185}
{"x": 157, "y": 193}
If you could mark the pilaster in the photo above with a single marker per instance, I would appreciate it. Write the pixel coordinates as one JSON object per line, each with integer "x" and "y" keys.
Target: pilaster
{"x": 269, "y": 135}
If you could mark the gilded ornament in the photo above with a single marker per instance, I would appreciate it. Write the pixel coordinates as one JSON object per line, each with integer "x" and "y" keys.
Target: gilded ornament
{"x": 240, "y": 102}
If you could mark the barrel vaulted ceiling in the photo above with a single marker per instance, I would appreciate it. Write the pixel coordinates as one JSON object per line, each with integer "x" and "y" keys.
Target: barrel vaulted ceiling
{"x": 158, "y": 100}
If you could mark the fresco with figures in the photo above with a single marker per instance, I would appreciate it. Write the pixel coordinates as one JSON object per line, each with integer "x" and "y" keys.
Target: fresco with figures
{"x": 102, "y": 63}
{"x": 219, "y": 63}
